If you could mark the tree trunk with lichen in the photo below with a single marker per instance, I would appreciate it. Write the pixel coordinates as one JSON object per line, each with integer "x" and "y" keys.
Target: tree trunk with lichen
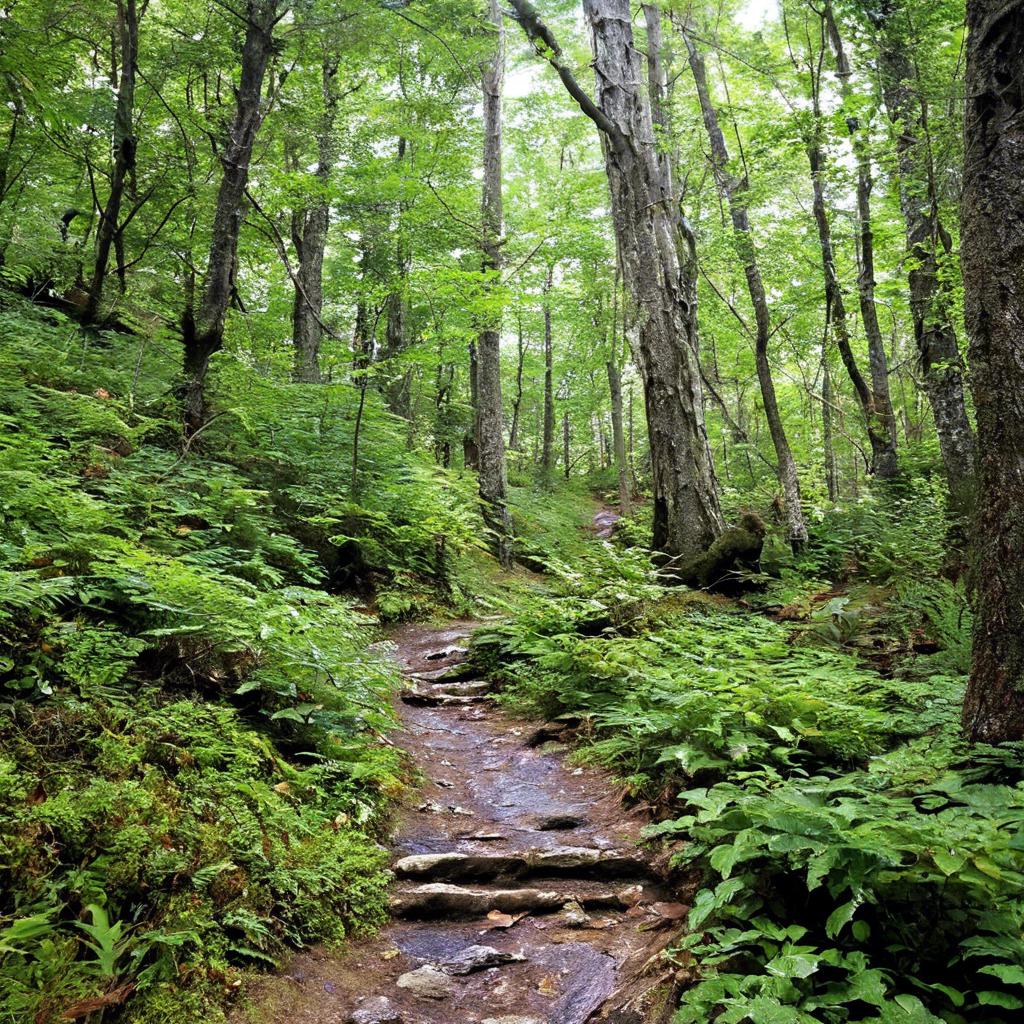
{"x": 992, "y": 256}
{"x": 659, "y": 266}
{"x": 732, "y": 190}
{"x": 204, "y": 331}
{"x": 932, "y": 302}
{"x": 489, "y": 416}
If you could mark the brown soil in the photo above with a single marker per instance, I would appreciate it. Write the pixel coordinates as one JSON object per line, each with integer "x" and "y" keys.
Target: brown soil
{"x": 533, "y": 831}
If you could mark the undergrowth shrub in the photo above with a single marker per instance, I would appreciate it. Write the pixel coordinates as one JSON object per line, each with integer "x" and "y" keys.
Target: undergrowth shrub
{"x": 193, "y": 754}
{"x": 857, "y": 862}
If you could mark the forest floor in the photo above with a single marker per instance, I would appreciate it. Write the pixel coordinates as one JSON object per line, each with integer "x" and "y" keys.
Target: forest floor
{"x": 522, "y": 894}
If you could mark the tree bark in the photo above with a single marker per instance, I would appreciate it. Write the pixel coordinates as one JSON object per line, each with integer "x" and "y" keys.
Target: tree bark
{"x": 883, "y": 451}
{"x": 547, "y": 459}
{"x": 309, "y": 236}
{"x": 492, "y": 475}
{"x": 992, "y": 256}
{"x": 124, "y": 146}
{"x": 517, "y": 402}
{"x": 733, "y": 191}
{"x": 877, "y": 361}
{"x": 204, "y": 331}
{"x": 398, "y": 390}
{"x": 565, "y": 445}
{"x": 932, "y": 302}
{"x": 658, "y": 256}
{"x": 619, "y": 436}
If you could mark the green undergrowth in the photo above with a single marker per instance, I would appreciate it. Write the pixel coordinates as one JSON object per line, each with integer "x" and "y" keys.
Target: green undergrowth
{"x": 857, "y": 862}
{"x": 194, "y": 751}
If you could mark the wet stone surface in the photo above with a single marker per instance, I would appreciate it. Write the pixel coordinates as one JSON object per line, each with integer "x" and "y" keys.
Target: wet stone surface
{"x": 521, "y": 894}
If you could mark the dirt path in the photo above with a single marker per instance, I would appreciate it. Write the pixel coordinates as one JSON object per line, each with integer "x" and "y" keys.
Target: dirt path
{"x": 502, "y": 827}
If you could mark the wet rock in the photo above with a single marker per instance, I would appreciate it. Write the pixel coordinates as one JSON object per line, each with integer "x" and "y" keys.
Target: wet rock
{"x": 376, "y": 1010}
{"x": 438, "y": 899}
{"x": 479, "y": 958}
{"x": 574, "y": 916}
{"x": 470, "y": 688}
{"x": 426, "y": 983}
{"x": 447, "y": 652}
{"x": 514, "y": 1018}
{"x": 420, "y": 697}
{"x": 446, "y": 866}
{"x": 558, "y": 823}
{"x": 577, "y": 861}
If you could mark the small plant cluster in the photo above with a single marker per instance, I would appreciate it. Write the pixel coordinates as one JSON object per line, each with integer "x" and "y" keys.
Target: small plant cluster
{"x": 857, "y": 861}
{"x": 193, "y": 750}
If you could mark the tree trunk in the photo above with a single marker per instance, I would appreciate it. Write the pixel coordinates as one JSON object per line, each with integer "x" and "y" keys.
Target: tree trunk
{"x": 309, "y": 236}
{"x": 124, "y": 145}
{"x": 877, "y": 360}
{"x": 517, "y": 402}
{"x": 619, "y": 436}
{"x": 932, "y": 302}
{"x": 992, "y": 255}
{"x": 732, "y": 190}
{"x": 883, "y": 451}
{"x": 398, "y": 390}
{"x": 204, "y": 332}
{"x": 565, "y": 445}
{"x": 547, "y": 447}
{"x": 492, "y": 477}
{"x": 827, "y": 441}
{"x": 658, "y": 256}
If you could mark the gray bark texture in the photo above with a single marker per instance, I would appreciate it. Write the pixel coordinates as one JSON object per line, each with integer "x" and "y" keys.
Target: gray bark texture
{"x": 124, "y": 145}
{"x": 877, "y": 360}
{"x": 489, "y": 416}
{"x": 547, "y": 458}
{"x": 309, "y": 236}
{"x": 204, "y": 332}
{"x": 657, "y": 252}
{"x": 992, "y": 256}
{"x": 931, "y": 300}
{"x": 733, "y": 190}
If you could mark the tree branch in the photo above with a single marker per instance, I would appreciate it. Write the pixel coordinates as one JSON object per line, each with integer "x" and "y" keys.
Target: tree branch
{"x": 546, "y": 45}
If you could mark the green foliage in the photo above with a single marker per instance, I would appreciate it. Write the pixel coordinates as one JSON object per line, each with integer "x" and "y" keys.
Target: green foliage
{"x": 192, "y": 748}
{"x": 857, "y": 862}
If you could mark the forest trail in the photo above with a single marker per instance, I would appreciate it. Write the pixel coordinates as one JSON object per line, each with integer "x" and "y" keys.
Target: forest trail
{"x": 521, "y": 895}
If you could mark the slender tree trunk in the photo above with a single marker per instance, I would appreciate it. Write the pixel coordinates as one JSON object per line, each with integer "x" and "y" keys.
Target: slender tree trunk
{"x": 733, "y": 191}
{"x": 492, "y": 478}
{"x": 883, "y": 451}
{"x": 517, "y": 402}
{"x": 124, "y": 145}
{"x": 204, "y": 332}
{"x": 309, "y": 236}
{"x": 992, "y": 254}
{"x": 827, "y": 441}
{"x": 565, "y": 445}
{"x": 547, "y": 458}
{"x": 619, "y": 436}
{"x": 658, "y": 256}
{"x": 877, "y": 360}
{"x": 932, "y": 303}
{"x": 398, "y": 390}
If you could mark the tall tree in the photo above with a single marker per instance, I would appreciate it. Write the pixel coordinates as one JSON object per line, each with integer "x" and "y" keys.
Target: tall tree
{"x": 309, "y": 236}
{"x": 733, "y": 189}
{"x": 658, "y": 255}
{"x": 883, "y": 446}
{"x": 547, "y": 457}
{"x": 124, "y": 145}
{"x": 489, "y": 414}
{"x": 929, "y": 244}
{"x": 203, "y": 328}
{"x": 992, "y": 256}
{"x": 877, "y": 360}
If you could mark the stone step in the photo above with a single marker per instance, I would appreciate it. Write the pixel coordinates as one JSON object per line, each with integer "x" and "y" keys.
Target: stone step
{"x": 444, "y": 900}
{"x": 423, "y": 697}
{"x": 557, "y": 861}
